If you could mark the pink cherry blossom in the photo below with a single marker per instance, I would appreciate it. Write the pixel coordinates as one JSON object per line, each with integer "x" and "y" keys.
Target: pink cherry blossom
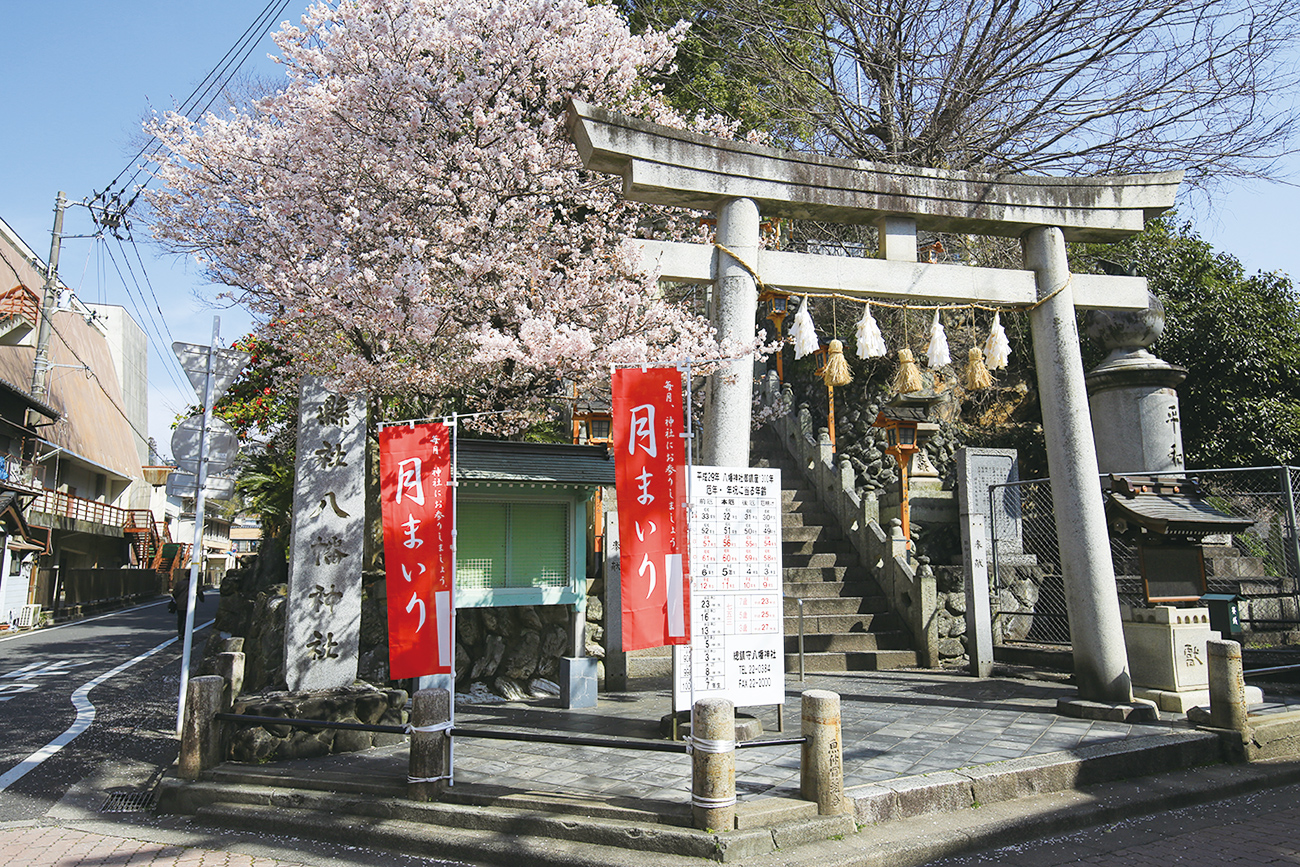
{"x": 406, "y": 214}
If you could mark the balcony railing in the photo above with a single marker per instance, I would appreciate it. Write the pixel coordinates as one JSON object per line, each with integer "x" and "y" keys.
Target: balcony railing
{"x": 71, "y": 506}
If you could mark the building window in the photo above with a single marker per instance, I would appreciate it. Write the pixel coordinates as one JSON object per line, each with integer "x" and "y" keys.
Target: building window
{"x": 512, "y": 544}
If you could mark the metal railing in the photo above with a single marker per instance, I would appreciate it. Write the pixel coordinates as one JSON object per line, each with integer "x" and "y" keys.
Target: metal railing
{"x": 1260, "y": 564}
{"x": 643, "y": 744}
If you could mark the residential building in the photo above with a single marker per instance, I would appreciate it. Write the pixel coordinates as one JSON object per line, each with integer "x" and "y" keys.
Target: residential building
{"x": 80, "y": 449}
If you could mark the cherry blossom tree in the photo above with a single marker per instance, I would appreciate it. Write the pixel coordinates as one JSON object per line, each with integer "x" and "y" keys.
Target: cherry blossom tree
{"x": 407, "y": 214}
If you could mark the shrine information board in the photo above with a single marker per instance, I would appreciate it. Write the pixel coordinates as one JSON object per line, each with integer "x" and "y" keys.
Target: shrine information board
{"x": 734, "y": 567}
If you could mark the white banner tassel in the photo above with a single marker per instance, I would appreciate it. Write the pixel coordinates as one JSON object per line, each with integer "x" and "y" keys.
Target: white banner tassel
{"x": 871, "y": 343}
{"x": 997, "y": 349}
{"x": 804, "y": 333}
{"x": 936, "y": 354}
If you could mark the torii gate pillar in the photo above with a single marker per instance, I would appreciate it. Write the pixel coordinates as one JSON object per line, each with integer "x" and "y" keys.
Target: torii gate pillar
{"x": 1100, "y": 657}
{"x": 729, "y": 399}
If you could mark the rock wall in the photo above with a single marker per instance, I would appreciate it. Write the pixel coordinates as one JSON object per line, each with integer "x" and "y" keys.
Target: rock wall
{"x": 361, "y": 703}
{"x": 511, "y": 652}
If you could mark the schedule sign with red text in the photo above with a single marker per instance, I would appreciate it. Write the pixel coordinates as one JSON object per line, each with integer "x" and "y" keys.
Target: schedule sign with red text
{"x": 647, "y": 409}
{"x": 737, "y": 641}
{"x": 415, "y": 477}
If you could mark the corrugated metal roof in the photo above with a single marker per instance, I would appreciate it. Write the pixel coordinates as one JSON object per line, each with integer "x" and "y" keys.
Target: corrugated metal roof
{"x": 496, "y": 461}
{"x": 89, "y": 401}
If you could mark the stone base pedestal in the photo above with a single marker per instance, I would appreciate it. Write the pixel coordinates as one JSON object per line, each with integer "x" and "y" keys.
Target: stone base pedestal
{"x": 1107, "y": 711}
{"x": 577, "y": 681}
{"x": 1172, "y": 701}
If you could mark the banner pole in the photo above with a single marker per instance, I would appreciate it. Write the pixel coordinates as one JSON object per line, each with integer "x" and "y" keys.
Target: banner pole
{"x": 455, "y": 490}
{"x": 690, "y": 480}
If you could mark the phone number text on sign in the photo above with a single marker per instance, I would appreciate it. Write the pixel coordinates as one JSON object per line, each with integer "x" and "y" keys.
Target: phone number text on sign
{"x": 734, "y": 563}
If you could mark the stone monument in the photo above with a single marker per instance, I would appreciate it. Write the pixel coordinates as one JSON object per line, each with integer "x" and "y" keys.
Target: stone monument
{"x": 322, "y": 633}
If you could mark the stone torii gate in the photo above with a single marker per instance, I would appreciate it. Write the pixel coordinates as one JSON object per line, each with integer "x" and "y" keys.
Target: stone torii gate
{"x": 737, "y": 181}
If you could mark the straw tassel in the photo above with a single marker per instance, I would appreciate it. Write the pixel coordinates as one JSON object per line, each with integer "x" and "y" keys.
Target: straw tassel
{"x": 997, "y": 349}
{"x": 871, "y": 343}
{"x": 936, "y": 354}
{"x": 836, "y": 372}
{"x": 908, "y": 377}
{"x": 803, "y": 332}
{"x": 977, "y": 375}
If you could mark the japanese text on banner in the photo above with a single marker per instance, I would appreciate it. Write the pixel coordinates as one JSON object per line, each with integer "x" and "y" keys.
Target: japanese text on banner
{"x": 415, "y": 472}
{"x": 647, "y": 408}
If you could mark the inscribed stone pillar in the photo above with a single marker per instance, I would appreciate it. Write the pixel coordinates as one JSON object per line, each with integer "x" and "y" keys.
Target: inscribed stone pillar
{"x": 323, "y": 620}
{"x": 735, "y": 305}
{"x": 1100, "y": 658}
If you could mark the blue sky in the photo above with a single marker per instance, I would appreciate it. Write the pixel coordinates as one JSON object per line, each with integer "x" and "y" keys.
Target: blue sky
{"x": 77, "y": 77}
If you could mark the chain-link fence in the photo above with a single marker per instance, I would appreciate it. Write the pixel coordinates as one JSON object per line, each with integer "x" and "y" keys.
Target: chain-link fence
{"x": 1260, "y": 564}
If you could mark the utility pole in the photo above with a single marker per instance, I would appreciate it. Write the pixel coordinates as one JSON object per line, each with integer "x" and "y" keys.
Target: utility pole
{"x": 48, "y": 303}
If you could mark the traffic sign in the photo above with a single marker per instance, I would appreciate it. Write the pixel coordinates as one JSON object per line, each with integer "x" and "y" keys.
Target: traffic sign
{"x": 223, "y": 445}
{"x": 226, "y": 365}
{"x": 187, "y": 485}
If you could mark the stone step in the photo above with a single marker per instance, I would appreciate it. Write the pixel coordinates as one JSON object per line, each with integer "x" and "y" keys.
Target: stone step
{"x": 827, "y": 624}
{"x": 792, "y": 496}
{"x": 830, "y": 589}
{"x": 804, "y": 533}
{"x": 817, "y": 559}
{"x": 879, "y": 660}
{"x": 809, "y": 518}
{"x": 836, "y": 605}
{"x": 801, "y": 574}
{"x": 849, "y": 642}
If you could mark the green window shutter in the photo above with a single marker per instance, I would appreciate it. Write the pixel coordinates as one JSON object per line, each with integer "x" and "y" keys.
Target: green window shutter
{"x": 539, "y": 545}
{"x": 481, "y": 544}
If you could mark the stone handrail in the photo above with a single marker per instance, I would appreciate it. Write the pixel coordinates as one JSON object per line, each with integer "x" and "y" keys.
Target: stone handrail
{"x": 909, "y": 586}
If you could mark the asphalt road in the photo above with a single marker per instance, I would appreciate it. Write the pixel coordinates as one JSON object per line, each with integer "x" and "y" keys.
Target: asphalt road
{"x": 1261, "y": 828}
{"x": 53, "y": 680}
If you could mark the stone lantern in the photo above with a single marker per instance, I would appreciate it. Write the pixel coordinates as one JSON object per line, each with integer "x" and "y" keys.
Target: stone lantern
{"x": 1134, "y": 406}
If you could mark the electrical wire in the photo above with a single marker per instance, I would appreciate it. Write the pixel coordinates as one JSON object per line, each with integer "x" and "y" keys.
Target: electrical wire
{"x": 213, "y": 83}
{"x": 145, "y": 325}
{"x": 93, "y": 374}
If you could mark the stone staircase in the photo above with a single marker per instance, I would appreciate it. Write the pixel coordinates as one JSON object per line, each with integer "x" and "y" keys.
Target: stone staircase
{"x": 847, "y": 622}
{"x": 846, "y": 619}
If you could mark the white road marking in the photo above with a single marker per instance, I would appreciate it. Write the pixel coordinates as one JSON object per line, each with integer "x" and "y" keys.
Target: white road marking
{"x": 85, "y": 716}
{"x": 46, "y": 630}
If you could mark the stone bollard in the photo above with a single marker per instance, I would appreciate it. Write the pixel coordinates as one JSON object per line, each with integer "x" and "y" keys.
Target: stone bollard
{"x": 713, "y": 764}
{"x": 821, "y": 771}
{"x": 200, "y": 733}
{"x": 430, "y": 719}
{"x": 1227, "y": 685}
{"x": 233, "y": 644}
{"x": 230, "y": 666}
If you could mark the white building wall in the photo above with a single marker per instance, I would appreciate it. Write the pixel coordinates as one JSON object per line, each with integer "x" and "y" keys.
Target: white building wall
{"x": 130, "y": 349}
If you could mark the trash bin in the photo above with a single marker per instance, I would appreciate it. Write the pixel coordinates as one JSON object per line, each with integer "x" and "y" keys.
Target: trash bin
{"x": 1225, "y": 619}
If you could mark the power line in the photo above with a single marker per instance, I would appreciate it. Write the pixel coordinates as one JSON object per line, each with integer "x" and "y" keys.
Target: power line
{"x": 143, "y": 324}
{"x": 213, "y": 83}
{"x": 94, "y": 374}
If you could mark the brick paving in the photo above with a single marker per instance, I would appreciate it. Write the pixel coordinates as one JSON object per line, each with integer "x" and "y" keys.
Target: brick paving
{"x": 70, "y": 847}
{"x": 895, "y": 723}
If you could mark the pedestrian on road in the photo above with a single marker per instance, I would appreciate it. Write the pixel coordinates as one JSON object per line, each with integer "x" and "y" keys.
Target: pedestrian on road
{"x": 181, "y": 600}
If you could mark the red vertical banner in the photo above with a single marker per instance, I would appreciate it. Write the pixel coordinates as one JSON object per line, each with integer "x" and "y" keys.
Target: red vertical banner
{"x": 414, "y": 477}
{"x": 647, "y": 409}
